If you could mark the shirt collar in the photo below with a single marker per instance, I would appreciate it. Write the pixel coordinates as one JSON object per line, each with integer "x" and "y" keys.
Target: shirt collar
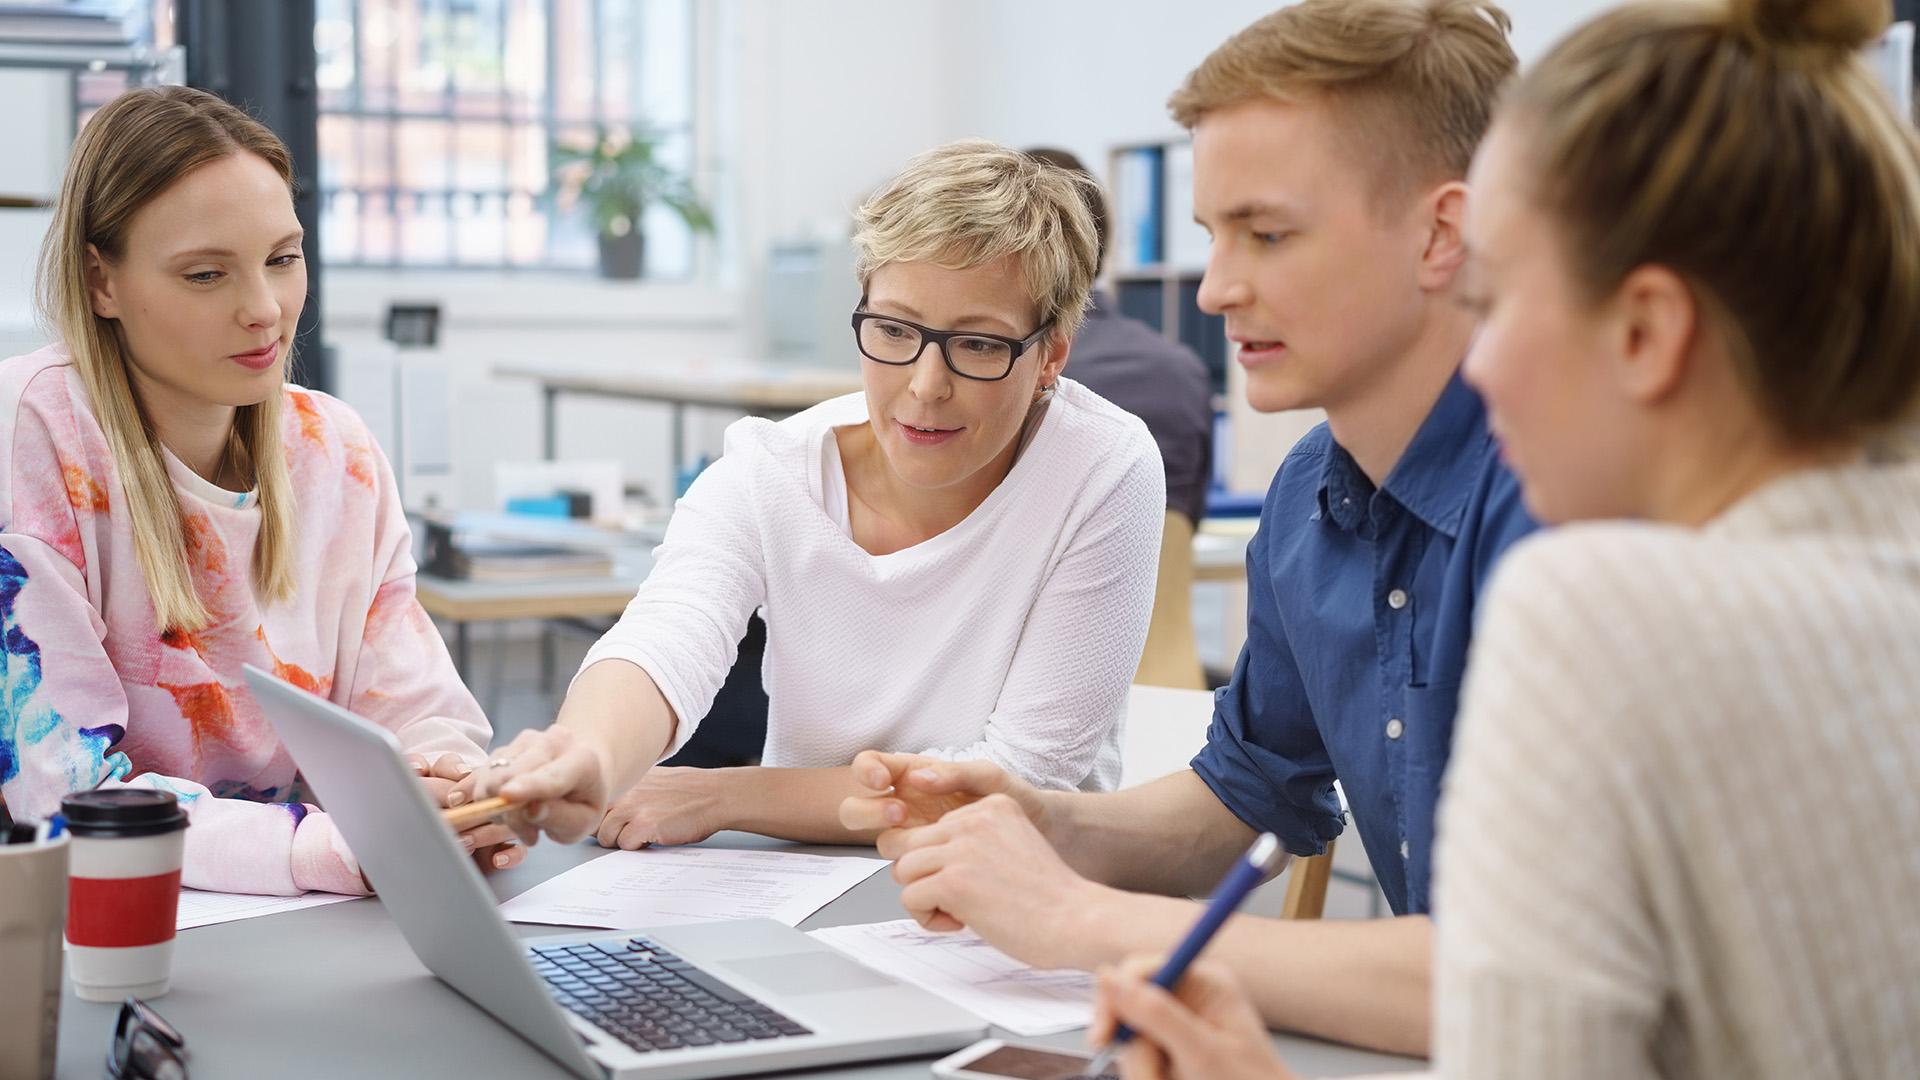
{"x": 1432, "y": 478}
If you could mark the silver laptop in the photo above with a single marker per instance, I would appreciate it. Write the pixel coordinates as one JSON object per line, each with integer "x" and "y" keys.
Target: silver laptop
{"x": 709, "y": 999}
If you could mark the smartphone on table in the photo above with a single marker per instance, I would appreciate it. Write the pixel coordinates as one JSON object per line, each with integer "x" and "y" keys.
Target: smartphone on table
{"x": 997, "y": 1059}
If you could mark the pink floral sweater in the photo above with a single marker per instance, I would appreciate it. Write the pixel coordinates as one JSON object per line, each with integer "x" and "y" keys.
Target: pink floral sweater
{"x": 91, "y": 692}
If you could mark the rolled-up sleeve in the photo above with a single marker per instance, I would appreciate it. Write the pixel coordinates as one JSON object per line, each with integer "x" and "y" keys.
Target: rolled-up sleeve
{"x": 1264, "y": 758}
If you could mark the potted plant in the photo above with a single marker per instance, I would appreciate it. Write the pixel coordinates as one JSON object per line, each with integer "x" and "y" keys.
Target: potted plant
{"x": 619, "y": 176}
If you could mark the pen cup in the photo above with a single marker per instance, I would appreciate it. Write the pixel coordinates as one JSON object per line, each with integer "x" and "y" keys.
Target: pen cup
{"x": 33, "y": 911}
{"x": 123, "y": 890}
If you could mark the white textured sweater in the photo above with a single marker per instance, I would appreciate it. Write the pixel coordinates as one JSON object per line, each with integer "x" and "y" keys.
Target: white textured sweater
{"x": 1681, "y": 834}
{"x": 1011, "y": 636}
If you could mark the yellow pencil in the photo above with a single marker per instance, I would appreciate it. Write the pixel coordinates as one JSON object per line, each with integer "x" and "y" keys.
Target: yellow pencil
{"x": 466, "y": 817}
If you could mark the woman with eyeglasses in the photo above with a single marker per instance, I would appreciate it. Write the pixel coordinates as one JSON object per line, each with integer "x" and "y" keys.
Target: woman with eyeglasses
{"x": 958, "y": 561}
{"x": 1681, "y": 834}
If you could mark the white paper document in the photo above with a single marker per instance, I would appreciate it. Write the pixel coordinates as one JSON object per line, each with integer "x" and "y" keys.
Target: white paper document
{"x": 624, "y": 890}
{"x": 972, "y": 974}
{"x": 198, "y": 908}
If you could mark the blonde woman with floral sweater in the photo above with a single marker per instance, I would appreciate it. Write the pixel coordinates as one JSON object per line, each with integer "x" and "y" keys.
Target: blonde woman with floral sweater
{"x": 174, "y": 510}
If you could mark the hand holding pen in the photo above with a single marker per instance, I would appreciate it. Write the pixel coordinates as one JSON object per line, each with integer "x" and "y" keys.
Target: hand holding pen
{"x": 1198, "y": 1020}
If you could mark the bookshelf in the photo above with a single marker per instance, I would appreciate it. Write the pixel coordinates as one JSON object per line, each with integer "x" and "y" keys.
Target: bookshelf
{"x": 1157, "y": 258}
{"x": 91, "y": 50}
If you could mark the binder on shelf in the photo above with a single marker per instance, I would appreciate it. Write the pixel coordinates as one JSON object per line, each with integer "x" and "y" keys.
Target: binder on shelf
{"x": 1139, "y": 184}
{"x": 1222, "y": 472}
{"x": 1203, "y": 333}
{"x": 1187, "y": 244}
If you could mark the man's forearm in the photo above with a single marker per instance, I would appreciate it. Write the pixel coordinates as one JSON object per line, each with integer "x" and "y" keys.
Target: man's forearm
{"x": 1366, "y": 982}
{"x": 1171, "y": 836}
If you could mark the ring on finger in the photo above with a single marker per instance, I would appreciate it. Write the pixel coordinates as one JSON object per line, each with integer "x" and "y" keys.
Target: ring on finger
{"x": 500, "y": 762}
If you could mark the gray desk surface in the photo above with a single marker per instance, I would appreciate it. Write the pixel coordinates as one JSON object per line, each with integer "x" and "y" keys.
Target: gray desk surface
{"x": 334, "y": 992}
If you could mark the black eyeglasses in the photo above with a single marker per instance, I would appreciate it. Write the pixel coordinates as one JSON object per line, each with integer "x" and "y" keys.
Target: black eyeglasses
{"x": 145, "y": 1047}
{"x": 969, "y": 354}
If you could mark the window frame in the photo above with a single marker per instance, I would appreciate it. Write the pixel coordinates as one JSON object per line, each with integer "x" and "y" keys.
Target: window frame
{"x": 509, "y": 119}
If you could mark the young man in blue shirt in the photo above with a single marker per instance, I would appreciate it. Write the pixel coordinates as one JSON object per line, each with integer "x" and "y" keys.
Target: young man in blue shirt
{"x": 1331, "y": 140}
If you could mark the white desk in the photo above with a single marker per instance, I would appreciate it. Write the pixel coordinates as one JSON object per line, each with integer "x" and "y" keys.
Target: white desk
{"x": 583, "y": 603}
{"x": 462, "y": 602}
{"x": 762, "y": 390}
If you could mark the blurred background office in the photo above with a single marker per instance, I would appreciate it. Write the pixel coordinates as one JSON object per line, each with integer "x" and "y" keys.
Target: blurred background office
{"x": 558, "y": 245}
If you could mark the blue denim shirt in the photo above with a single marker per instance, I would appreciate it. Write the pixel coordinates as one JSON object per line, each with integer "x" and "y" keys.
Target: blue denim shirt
{"x": 1360, "y": 606}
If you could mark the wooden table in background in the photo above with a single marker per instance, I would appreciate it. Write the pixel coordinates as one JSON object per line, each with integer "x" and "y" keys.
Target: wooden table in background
{"x": 574, "y": 602}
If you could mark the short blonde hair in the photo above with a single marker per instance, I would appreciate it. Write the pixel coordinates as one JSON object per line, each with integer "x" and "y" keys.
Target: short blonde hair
{"x": 1420, "y": 77}
{"x": 136, "y": 147}
{"x": 971, "y": 202}
{"x": 1746, "y": 147}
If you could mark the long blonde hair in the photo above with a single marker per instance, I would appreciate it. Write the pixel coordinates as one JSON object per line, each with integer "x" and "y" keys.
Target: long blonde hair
{"x": 133, "y": 149}
{"x": 1746, "y": 147}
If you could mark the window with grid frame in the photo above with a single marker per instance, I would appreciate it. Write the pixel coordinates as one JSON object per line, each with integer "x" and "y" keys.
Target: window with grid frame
{"x": 438, "y": 120}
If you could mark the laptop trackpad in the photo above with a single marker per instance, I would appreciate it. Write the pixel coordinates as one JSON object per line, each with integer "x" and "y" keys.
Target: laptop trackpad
{"x": 809, "y": 973}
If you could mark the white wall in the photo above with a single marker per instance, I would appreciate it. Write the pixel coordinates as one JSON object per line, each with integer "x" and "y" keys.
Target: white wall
{"x": 1110, "y": 85}
{"x": 838, "y": 96}
{"x": 1537, "y": 24}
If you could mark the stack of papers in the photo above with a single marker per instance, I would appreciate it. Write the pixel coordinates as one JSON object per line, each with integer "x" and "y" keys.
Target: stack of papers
{"x": 200, "y": 908}
{"x": 972, "y": 974}
{"x": 626, "y": 890}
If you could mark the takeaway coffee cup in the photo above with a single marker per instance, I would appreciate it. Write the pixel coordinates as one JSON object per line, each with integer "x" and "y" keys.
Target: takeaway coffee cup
{"x": 33, "y": 907}
{"x": 123, "y": 890}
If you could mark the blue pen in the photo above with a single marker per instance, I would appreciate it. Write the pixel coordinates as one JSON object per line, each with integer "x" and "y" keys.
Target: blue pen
{"x": 1253, "y": 868}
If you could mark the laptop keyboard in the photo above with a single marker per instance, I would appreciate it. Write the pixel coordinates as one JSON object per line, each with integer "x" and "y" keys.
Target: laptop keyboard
{"x": 650, "y": 999}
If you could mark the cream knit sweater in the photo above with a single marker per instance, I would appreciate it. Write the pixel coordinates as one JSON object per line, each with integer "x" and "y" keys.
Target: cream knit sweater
{"x": 1681, "y": 835}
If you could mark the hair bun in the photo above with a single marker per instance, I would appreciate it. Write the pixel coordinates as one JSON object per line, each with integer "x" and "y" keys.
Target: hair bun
{"x": 1844, "y": 23}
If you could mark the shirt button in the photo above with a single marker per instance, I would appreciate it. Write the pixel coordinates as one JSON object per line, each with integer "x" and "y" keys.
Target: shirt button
{"x": 1403, "y": 849}
{"x": 1397, "y": 599}
{"x": 1394, "y": 728}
